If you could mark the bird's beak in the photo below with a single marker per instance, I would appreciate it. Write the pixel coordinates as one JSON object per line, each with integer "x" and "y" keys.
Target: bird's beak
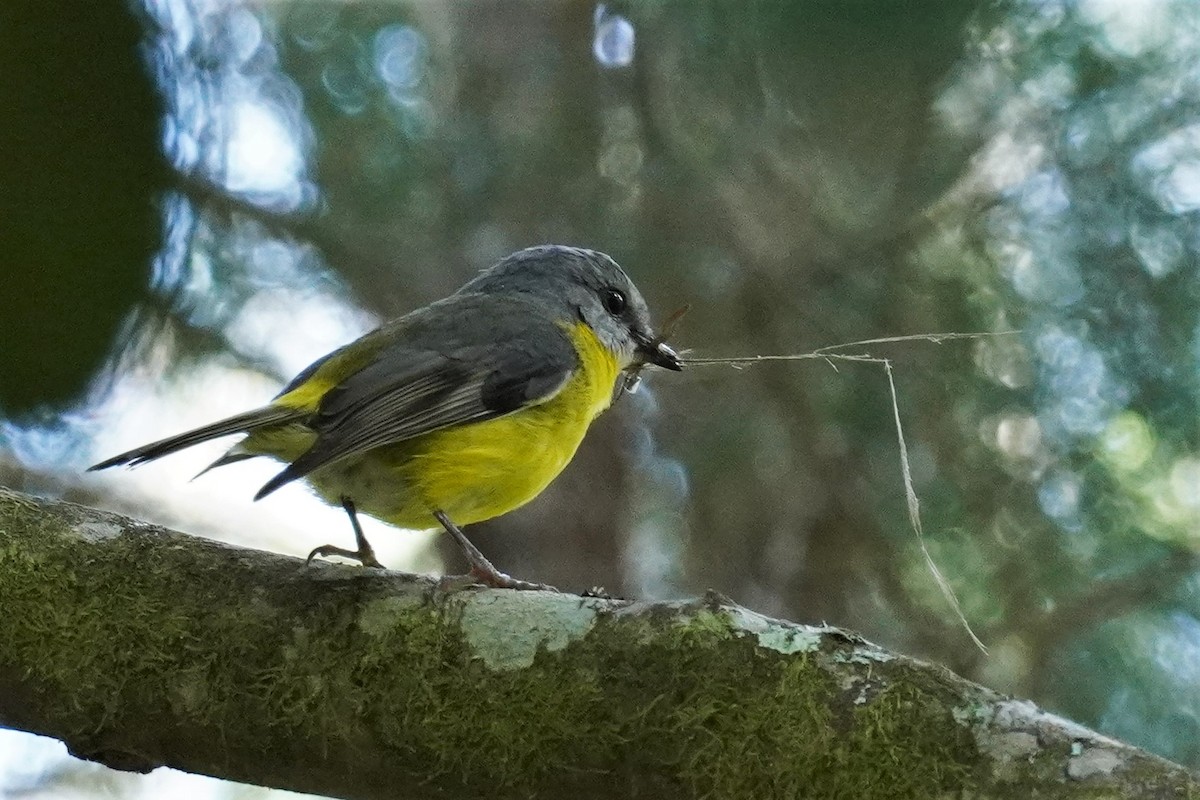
{"x": 652, "y": 351}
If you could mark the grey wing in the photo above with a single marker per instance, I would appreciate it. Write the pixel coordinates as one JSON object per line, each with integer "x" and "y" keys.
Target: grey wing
{"x": 409, "y": 390}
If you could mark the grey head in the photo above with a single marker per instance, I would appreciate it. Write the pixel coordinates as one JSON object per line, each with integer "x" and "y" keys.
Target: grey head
{"x": 582, "y": 285}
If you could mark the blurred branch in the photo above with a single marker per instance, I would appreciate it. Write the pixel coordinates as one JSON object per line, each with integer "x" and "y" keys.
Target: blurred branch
{"x": 297, "y": 226}
{"x": 141, "y": 647}
{"x": 1104, "y": 600}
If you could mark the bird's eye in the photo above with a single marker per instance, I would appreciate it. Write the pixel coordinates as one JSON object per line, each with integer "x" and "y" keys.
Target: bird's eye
{"x": 613, "y": 300}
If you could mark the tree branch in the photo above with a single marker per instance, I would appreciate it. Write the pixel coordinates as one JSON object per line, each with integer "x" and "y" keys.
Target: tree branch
{"x": 141, "y": 647}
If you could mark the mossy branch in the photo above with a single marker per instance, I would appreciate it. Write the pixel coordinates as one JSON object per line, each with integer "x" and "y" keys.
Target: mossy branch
{"x": 141, "y": 647}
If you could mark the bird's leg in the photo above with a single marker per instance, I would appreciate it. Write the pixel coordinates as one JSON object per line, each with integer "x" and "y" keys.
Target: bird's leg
{"x": 364, "y": 554}
{"x": 482, "y": 570}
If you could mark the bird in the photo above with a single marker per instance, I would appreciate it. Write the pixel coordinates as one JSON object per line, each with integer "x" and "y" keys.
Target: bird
{"x": 457, "y": 412}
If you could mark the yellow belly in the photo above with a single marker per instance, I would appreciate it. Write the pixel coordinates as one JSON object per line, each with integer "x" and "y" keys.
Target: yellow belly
{"x": 481, "y": 470}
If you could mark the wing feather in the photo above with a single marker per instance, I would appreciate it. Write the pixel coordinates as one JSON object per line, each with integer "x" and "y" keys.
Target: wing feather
{"x": 495, "y": 358}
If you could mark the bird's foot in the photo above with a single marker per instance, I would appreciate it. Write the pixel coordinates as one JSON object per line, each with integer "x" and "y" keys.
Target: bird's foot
{"x": 490, "y": 576}
{"x": 365, "y": 557}
{"x": 482, "y": 572}
{"x": 493, "y": 580}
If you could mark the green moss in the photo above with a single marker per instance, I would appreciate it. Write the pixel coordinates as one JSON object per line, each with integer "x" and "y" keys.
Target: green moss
{"x": 142, "y": 623}
{"x": 908, "y": 735}
{"x": 729, "y": 719}
{"x": 635, "y": 705}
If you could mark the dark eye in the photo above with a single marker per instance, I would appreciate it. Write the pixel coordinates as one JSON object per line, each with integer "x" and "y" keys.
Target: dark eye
{"x": 613, "y": 300}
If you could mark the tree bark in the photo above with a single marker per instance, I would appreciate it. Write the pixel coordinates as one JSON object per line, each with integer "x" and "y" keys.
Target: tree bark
{"x": 140, "y": 647}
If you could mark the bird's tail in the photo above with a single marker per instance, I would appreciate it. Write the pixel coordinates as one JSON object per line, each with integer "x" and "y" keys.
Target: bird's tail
{"x": 241, "y": 423}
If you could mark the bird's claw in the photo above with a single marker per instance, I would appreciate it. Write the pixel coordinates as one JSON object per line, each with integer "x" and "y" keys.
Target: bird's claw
{"x": 492, "y": 580}
{"x": 365, "y": 557}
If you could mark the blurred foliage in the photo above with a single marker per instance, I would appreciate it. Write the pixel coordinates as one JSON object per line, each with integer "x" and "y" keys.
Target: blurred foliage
{"x": 803, "y": 174}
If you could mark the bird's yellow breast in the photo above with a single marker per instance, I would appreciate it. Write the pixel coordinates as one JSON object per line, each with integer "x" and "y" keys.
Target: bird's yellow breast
{"x": 481, "y": 470}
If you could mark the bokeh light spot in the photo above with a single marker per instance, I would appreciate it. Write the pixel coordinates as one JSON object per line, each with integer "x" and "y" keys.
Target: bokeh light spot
{"x": 613, "y": 40}
{"x": 1127, "y": 442}
{"x": 1059, "y": 496}
{"x": 1185, "y": 482}
{"x": 400, "y": 53}
{"x": 262, "y": 155}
